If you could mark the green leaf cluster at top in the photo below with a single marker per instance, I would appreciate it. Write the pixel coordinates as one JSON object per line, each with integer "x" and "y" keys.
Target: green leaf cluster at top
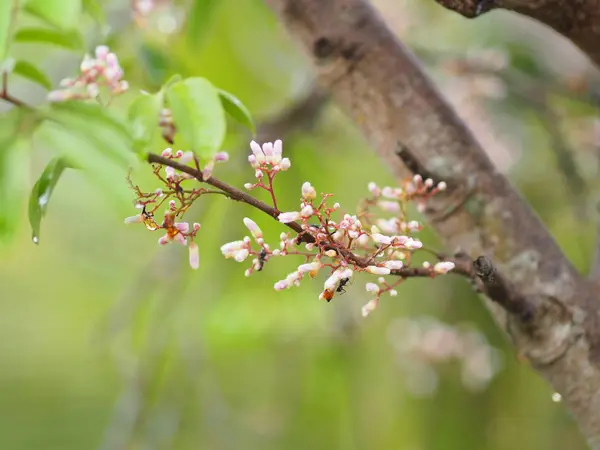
{"x": 198, "y": 111}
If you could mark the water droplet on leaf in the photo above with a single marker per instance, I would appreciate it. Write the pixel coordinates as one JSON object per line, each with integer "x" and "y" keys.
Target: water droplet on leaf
{"x": 556, "y": 397}
{"x": 35, "y": 240}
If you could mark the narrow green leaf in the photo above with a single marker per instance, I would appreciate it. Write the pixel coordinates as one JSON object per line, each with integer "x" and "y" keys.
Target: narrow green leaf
{"x": 144, "y": 115}
{"x": 102, "y": 128}
{"x": 94, "y": 9}
{"x": 41, "y": 192}
{"x": 198, "y": 19}
{"x": 14, "y": 163}
{"x": 67, "y": 39}
{"x": 32, "y": 73}
{"x": 5, "y": 19}
{"x": 63, "y": 14}
{"x": 236, "y": 109}
{"x": 198, "y": 115}
{"x": 85, "y": 152}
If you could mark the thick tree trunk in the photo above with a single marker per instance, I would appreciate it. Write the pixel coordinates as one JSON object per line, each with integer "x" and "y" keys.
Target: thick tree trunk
{"x": 382, "y": 87}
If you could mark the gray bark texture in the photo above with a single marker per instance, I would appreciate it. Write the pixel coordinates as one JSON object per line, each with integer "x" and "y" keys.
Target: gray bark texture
{"x": 549, "y": 310}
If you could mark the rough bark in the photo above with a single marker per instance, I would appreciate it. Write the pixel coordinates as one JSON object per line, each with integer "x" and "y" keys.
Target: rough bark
{"x": 381, "y": 86}
{"x": 578, "y": 20}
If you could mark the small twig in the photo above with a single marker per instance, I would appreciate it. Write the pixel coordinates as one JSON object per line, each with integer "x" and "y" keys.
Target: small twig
{"x": 500, "y": 291}
{"x": 4, "y": 95}
{"x": 461, "y": 267}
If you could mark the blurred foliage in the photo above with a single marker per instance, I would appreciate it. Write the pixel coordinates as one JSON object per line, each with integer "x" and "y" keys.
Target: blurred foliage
{"x": 109, "y": 342}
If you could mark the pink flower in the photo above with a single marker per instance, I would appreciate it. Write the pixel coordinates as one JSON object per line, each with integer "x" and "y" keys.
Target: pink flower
{"x": 182, "y": 227}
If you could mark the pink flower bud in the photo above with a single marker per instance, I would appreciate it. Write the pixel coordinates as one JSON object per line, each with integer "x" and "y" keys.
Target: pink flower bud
{"x": 372, "y": 287}
{"x": 393, "y": 265}
{"x": 254, "y": 228}
{"x": 285, "y": 164}
{"x": 167, "y": 153}
{"x": 308, "y": 192}
{"x": 134, "y": 219}
{"x": 241, "y": 255}
{"x": 281, "y": 285}
{"x": 374, "y": 189}
{"x": 442, "y": 186}
{"x": 307, "y": 211}
{"x": 185, "y": 157}
{"x": 249, "y": 186}
{"x": 194, "y": 255}
{"x": 370, "y": 307}
{"x": 196, "y": 226}
{"x": 375, "y": 270}
{"x": 309, "y": 267}
{"x": 381, "y": 239}
{"x": 443, "y": 267}
{"x": 393, "y": 292}
{"x": 288, "y": 217}
{"x": 222, "y": 157}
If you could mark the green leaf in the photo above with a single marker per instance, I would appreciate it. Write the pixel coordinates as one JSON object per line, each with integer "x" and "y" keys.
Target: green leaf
{"x": 94, "y": 9}
{"x": 41, "y": 192}
{"x": 103, "y": 129}
{"x": 63, "y": 14}
{"x": 236, "y": 109}
{"x": 14, "y": 163}
{"x": 88, "y": 154}
{"x": 198, "y": 19}
{"x": 198, "y": 115}
{"x": 5, "y": 20}
{"x": 32, "y": 73}
{"x": 143, "y": 115}
{"x": 172, "y": 80}
{"x": 67, "y": 39}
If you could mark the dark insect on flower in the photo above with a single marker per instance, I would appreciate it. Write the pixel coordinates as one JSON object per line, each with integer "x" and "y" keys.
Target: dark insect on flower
{"x": 340, "y": 288}
{"x": 262, "y": 258}
{"x": 148, "y": 219}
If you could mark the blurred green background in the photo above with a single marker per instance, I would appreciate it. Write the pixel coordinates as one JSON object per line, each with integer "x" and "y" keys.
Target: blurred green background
{"x": 109, "y": 342}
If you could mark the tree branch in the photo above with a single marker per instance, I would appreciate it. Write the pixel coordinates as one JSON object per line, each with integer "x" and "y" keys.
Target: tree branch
{"x": 578, "y": 21}
{"x": 380, "y": 85}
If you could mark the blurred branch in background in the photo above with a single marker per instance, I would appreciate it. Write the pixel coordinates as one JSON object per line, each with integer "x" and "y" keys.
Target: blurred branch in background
{"x": 382, "y": 87}
{"x": 577, "y": 21}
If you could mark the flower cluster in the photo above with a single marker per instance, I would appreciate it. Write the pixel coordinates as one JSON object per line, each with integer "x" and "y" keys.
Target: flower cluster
{"x": 178, "y": 198}
{"x": 341, "y": 247}
{"x": 103, "y": 70}
{"x": 423, "y": 343}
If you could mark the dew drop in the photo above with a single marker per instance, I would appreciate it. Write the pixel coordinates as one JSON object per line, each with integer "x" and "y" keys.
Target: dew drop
{"x": 556, "y": 397}
{"x": 35, "y": 240}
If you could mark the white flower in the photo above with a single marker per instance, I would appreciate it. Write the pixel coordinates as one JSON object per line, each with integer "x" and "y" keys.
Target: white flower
{"x": 372, "y": 287}
{"x": 254, "y": 229}
{"x": 308, "y": 192}
{"x": 375, "y": 270}
{"x": 393, "y": 265}
{"x": 370, "y": 307}
{"x": 288, "y": 217}
{"x": 443, "y": 267}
